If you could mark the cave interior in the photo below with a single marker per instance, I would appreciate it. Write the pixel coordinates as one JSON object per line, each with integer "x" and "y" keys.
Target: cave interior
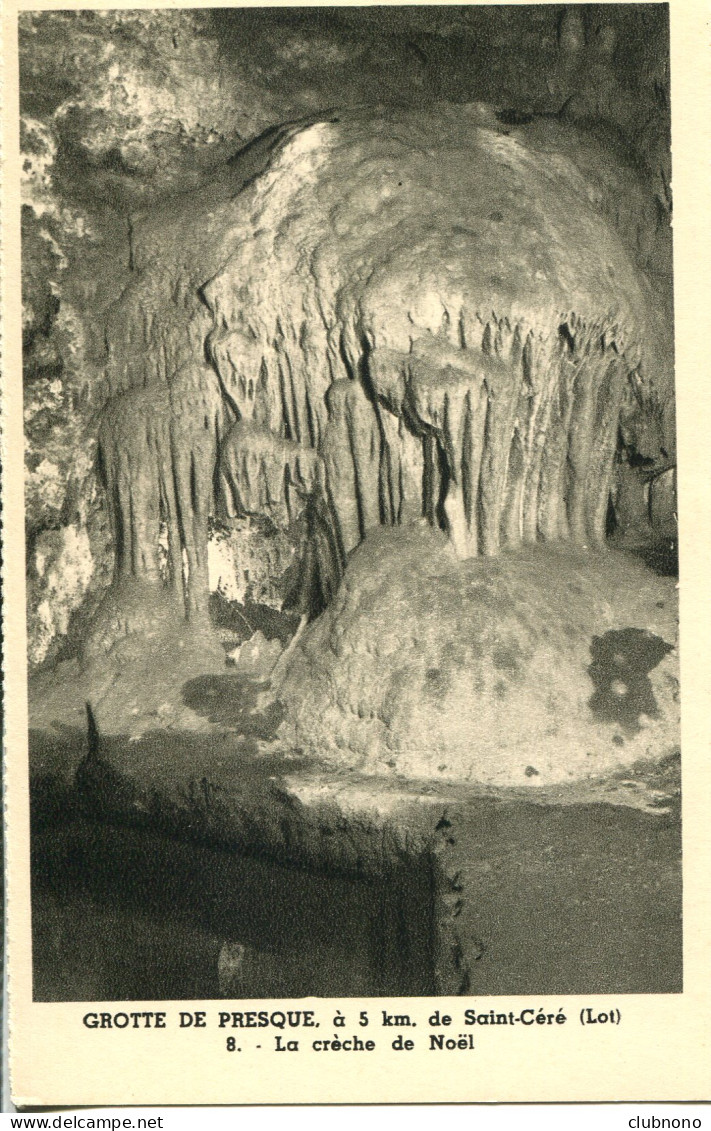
{"x": 351, "y": 513}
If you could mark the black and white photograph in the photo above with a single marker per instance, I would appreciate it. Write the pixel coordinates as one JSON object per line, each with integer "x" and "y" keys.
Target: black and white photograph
{"x": 351, "y": 519}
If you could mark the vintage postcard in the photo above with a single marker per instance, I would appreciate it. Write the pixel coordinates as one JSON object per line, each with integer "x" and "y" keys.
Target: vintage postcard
{"x": 356, "y": 552}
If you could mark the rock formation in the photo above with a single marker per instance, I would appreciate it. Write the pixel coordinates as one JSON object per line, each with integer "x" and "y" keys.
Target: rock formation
{"x": 417, "y": 315}
{"x": 124, "y": 110}
{"x": 349, "y": 392}
{"x": 535, "y": 668}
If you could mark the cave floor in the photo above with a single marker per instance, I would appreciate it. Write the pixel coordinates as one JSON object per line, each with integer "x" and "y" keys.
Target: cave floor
{"x": 152, "y": 859}
{"x": 192, "y": 855}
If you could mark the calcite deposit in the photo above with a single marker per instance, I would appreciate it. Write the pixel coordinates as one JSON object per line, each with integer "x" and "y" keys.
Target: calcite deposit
{"x": 433, "y": 323}
{"x": 416, "y": 315}
{"x": 539, "y": 667}
{"x": 351, "y": 501}
{"x": 124, "y": 111}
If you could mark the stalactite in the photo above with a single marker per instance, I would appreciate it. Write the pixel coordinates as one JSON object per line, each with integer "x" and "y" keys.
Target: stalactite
{"x": 262, "y": 473}
{"x": 351, "y": 451}
{"x": 552, "y": 512}
{"x": 134, "y": 443}
{"x": 401, "y": 469}
{"x": 342, "y": 366}
{"x": 527, "y": 432}
{"x": 158, "y": 446}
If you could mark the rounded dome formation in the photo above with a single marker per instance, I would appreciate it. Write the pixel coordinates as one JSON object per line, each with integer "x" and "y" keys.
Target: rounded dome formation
{"x": 394, "y": 226}
{"x": 538, "y": 667}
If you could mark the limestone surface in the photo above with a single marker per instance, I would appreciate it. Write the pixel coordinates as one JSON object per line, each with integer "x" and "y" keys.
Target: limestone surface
{"x": 124, "y": 111}
{"x": 375, "y": 318}
{"x": 540, "y": 666}
{"x": 451, "y": 317}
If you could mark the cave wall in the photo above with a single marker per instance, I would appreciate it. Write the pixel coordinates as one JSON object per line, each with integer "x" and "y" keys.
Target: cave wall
{"x": 127, "y": 414}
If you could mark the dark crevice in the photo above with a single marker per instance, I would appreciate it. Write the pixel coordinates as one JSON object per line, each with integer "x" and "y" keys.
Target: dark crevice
{"x": 357, "y": 486}
{"x": 444, "y": 481}
{"x": 344, "y": 357}
{"x": 118, "y": 531}
{"x": 386, "y": 506}
{"x": 284, "y": 408}
{"x": 566, "y": 337}
{"x": 486, "y": 447}
{"x": 466, "y": 464}
{"x": 514, "y": 117}
{"x": 194, "y": 497}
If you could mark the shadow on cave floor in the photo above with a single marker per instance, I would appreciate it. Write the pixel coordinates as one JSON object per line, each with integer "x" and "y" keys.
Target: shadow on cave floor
{"x": 662, "y": 557}
{"x": 121, "y": 913}
{"x": 557, "y": 899}
{"x": 242, "y": 618}
{"x": 659, "y": 554}
{"x": 230, "y": 701}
